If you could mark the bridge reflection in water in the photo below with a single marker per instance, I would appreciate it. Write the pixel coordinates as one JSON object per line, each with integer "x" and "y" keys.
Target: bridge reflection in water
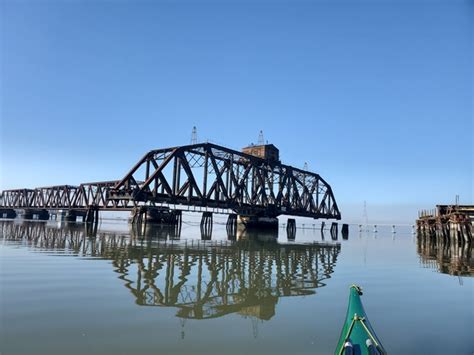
{"x": 203, "y": 279}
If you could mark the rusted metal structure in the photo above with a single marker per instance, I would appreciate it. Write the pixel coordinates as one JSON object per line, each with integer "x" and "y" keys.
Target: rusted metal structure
{"x": 204, "y": 177}
{"x": 207, "y": 175}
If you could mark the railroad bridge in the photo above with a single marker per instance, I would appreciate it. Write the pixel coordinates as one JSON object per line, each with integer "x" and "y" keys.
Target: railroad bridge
{"x": 252, "y": 186}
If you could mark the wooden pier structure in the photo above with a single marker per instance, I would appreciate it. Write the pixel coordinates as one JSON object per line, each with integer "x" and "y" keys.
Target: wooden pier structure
{"x": 447, "y": 224}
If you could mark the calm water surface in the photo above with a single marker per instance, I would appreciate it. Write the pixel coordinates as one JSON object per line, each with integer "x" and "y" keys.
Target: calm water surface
{"x": 64, "y": 290}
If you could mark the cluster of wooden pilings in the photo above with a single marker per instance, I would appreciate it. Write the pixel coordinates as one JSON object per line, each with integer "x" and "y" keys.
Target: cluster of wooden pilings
{"x": 447, "y": 224}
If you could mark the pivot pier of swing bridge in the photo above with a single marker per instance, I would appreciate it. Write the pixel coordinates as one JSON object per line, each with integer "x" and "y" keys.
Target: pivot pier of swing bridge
{"x": 253, "y": 187}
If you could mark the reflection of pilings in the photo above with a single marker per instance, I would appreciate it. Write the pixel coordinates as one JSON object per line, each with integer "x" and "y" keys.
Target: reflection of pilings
{"x": 72, "y": 237}
{"x": 206, "y": 226}
{"x": 445, "y": 254}
{"x": 202, "y": 279}
{"x": 155, "y": 231}
{"x": 334, "y": 231}
{"x": 264, "y": 236}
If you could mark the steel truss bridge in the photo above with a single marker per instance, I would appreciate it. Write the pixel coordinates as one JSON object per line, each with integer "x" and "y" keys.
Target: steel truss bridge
{"x": 205, "y": 176}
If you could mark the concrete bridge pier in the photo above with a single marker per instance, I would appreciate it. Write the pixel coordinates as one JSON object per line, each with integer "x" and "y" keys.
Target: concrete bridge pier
{"x": 7, "y": 213}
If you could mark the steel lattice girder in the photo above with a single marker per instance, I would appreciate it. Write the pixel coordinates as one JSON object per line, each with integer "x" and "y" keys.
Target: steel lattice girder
{"x": 208, "y": 175}
{"x": 85, "y": 196}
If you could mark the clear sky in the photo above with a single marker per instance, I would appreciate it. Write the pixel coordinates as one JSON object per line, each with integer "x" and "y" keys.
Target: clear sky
{"x": 377, "y": 96}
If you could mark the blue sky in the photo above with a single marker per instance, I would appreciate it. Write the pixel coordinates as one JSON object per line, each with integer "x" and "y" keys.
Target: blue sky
{"x": 377, "y": 96}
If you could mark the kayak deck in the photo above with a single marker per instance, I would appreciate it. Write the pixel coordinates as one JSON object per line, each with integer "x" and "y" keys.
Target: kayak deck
{"x": 357, "y": 336}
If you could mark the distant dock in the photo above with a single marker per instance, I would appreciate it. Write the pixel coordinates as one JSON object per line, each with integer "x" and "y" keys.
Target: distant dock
{"x": 447, "y": 223}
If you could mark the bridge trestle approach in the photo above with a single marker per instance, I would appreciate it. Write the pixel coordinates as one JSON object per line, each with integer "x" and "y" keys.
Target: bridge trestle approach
{"x": 201, "y": 177}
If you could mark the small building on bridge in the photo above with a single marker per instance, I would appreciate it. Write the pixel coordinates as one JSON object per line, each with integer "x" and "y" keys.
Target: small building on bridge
{"x": 265, "y": 151}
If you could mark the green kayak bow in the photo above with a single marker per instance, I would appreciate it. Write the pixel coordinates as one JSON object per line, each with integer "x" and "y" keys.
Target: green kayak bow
{"x": 357, "y": 336}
